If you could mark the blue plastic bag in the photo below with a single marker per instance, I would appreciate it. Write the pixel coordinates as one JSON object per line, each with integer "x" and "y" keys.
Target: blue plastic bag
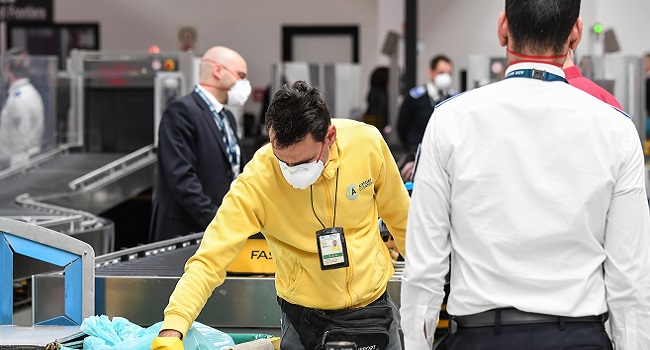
{"x": 120, "y": 333}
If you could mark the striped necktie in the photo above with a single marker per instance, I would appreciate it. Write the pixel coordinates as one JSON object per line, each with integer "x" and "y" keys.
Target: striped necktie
{"x": 230, "y": 141}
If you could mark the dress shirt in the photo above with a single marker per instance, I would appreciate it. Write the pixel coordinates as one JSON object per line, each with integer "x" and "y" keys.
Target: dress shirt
{"x": 576, "y": 79}
{"x": 229, "y": 138}
{"x": 536, "y": 192}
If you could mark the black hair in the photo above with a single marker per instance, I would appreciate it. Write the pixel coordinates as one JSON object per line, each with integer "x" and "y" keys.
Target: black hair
{"x": 379, "y": 77}
{"x": 435, "y": 60}
{"x": 541, "y": 25}
{"x": 295, "y": 111}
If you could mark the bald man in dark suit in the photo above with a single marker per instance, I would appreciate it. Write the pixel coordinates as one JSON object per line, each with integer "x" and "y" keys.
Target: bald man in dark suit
{"x": 198, "y": 148}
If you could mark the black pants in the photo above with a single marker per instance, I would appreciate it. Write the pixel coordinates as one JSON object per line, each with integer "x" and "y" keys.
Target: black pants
{"x": 537, "y": 336}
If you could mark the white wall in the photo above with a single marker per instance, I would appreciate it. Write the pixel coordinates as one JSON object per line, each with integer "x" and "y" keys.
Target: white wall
{"x": 457, "y": 29}
{"x": 252, "y": 27}
{"x": 464, "y": 27}
{"x": 630, "y": 20}
{"x": 390, "y": 18}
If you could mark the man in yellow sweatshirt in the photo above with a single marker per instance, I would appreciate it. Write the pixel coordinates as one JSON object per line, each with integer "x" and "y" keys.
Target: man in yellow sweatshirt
{"x": 315, "y": 192}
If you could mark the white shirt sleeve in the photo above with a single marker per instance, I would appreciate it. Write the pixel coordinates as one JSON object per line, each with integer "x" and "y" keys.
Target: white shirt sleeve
{"x": 428, "y": 246}
{"x": 627, "y": 244}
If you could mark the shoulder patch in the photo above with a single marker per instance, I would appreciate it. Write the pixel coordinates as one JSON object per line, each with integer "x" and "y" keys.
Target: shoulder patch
{"x": 451, "y": 98}
{"x": 418, "y": 91}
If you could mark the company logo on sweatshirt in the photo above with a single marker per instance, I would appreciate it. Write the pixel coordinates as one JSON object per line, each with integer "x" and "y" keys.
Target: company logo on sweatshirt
{"x": 365, "y": 184}
{"x": 352, "y": 192}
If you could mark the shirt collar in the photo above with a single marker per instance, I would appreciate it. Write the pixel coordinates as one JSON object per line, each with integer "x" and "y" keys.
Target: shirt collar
{"x": 539, "y": 66}
{"x": 333, "y": 161}
{"x": 432, "y": 90}
{"x": 572, "y": 72}
{"x": 218, "y": 106}
{"x": 18, "y": 83}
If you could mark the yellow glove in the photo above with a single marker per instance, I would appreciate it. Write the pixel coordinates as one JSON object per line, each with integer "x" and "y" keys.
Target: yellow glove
{"x": 167, "y": 343}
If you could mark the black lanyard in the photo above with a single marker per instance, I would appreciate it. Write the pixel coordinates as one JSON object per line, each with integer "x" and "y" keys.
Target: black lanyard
{"x": 336, "y": 195}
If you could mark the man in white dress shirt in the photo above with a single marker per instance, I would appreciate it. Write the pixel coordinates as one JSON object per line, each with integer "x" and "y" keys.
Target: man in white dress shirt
{"x": 535, "y": 191}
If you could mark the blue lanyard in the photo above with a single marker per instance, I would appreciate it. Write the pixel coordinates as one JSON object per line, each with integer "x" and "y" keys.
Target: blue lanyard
{"x": 217, "y": 116}
{"x": 231, "y": 142}
{"x": 535, "y": 74}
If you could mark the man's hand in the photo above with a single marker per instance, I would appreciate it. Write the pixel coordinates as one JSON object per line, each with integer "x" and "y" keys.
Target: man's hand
{"x": 170, "y": 333}
{"x": 168, "y": 339}
{"x": 392, "y": 249}
{"x": 407, "y": 171}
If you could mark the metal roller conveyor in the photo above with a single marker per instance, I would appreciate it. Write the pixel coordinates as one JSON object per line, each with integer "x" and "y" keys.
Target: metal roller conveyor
{"x": 49, "y": 174}
{"x": 136, "y": 284}
{"x": 63, "y": 190}
{"x": 105, "y": 153}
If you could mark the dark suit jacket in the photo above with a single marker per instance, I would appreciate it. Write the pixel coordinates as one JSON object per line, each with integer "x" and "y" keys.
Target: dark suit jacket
{"x": 193, "y": 171}
{"x": 413, "y": 117}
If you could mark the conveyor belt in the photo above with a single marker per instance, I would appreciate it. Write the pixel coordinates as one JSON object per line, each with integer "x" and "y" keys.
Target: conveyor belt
{"x": 64, "y": 191}
{"x": 136, "y": 284}
{"x": 51, "y": 176}
{"x": 167, "y": 264}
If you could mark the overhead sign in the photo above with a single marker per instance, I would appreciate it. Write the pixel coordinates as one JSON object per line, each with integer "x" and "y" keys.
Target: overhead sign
{"x": 26, "y": 10}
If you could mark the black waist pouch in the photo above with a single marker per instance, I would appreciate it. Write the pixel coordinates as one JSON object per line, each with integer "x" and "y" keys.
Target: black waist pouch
{"x": 366, "y": 326}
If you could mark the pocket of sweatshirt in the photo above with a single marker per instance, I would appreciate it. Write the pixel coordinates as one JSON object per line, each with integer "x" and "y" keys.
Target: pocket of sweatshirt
{"x": 294, "y": 278}
{"x": 380, "y": 262}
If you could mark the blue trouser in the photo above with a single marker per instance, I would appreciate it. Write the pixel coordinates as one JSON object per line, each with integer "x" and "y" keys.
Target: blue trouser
{"x": 291, "y": 338}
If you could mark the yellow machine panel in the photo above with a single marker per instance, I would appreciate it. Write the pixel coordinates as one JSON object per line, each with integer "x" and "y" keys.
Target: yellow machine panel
{"x": 255, "y": 258}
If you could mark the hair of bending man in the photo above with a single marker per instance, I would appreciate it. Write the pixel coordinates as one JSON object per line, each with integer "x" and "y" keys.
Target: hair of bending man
{"x": 290, "y": 127}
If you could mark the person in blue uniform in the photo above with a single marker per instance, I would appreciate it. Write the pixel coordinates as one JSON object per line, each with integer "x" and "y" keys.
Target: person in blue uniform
{"x": 198, "y": 149}
{"x": 418, "y": 104}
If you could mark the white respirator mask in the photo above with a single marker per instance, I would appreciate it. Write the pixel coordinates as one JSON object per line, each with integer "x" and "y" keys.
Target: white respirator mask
{"x": 302, "y": 176}
{"x": 442, "y": 81}
{"x": 239, "y": 93}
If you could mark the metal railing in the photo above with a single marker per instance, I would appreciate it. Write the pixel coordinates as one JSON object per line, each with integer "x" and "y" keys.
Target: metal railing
{"x": 138, "y": 159}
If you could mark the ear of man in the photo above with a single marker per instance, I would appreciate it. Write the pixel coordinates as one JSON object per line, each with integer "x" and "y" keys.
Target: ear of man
{"x": 503, "y": 32}
{"x": 576, "y": 34}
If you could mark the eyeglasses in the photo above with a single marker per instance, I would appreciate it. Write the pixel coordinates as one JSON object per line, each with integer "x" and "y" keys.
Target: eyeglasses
{"x": 241, "y": 75}
{"x": 322, "y": 147}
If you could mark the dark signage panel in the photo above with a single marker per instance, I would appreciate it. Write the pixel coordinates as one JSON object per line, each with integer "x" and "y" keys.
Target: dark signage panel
{"x": 26, "y": 10}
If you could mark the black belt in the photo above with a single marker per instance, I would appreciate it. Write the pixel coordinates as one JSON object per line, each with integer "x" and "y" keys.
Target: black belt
{"x": 297, "y": 310}
{"x": 513, "y": 316}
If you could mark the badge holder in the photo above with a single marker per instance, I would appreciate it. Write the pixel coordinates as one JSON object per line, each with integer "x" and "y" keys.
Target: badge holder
{"x": 332, "y": 250}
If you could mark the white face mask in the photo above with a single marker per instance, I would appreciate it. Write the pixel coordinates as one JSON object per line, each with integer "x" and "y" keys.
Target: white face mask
{"x": 442, "y": 81}
{"x": 238, "y": 93}
{"x": 303, "y": 175}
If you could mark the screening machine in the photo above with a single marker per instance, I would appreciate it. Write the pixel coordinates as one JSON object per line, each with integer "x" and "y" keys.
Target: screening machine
{"x": 136, "y": 284}
{"x": 104, "y": 152}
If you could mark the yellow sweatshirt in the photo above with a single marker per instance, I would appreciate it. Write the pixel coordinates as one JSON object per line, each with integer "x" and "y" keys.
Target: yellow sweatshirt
{"x": 261, "y": 200}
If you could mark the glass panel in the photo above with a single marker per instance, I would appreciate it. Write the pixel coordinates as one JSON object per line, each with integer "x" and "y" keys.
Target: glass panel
{"x": 28, "y": 96}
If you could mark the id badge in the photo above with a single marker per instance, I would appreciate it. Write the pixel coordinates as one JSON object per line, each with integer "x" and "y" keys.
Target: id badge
{"x": 332, "y": 249}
